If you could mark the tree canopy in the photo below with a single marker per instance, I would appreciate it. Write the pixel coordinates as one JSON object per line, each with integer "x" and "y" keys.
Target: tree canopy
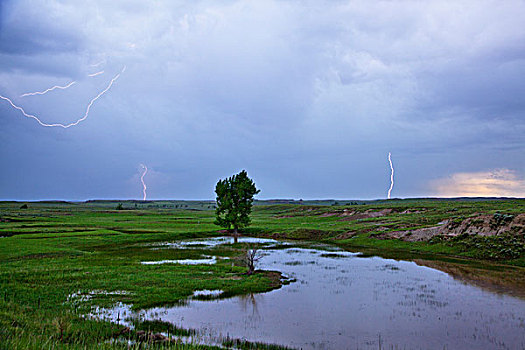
{"x": 234, "y": 201}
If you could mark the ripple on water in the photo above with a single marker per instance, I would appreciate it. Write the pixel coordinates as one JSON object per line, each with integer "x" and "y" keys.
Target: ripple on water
{"x": 366, "y": 303}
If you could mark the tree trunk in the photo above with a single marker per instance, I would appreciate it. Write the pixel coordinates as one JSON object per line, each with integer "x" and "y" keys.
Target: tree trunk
{"x": 235, "y": 235}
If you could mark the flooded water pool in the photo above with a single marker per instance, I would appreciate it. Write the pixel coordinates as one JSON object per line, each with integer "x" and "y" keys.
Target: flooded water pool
{"x": 213, "y": 242}
{"x": 204, "y": 261}
{"x": 341, "y": 301}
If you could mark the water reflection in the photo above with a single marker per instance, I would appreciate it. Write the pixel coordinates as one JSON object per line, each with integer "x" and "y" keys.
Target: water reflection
{"x": 508, "y": 280}
{"x": 343, "y": 302}
{"x": 213, "y": 242}
{"x": 205, "y": 261}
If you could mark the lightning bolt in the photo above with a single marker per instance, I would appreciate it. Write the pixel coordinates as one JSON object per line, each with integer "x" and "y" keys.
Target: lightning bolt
{"x": 142, "y": 180}
{"x": 95, "y": 74}
{"x": 98, "y": 64}
{"x": 65, "y": 126}
{"x": 391, "y": 174}
{"x": 50, "y": 89}
{"x": 58, "y": 86}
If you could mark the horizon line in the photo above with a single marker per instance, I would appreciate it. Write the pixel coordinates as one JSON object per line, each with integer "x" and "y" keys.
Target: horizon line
{"x": 255, "y": 199}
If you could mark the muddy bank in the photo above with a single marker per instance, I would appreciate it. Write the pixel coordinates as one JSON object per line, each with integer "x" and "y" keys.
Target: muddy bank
{"x": 510, "y": 280}
{"x": 482, "y": 225}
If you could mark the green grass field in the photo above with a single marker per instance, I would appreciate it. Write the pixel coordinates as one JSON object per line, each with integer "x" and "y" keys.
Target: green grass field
{"x": 51, "y": 250}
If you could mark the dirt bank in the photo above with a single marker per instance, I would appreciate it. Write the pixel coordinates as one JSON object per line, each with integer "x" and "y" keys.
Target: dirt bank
{"x": 483, "y": 225}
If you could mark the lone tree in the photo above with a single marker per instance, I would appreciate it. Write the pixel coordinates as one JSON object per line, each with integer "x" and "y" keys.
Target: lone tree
{"x": 250, "y": 258}
{"x": 234, "y": 202}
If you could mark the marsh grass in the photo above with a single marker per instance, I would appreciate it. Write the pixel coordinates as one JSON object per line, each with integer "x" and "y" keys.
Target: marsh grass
{"x": 51, "y": 250}
{"x": 246, "y": 345}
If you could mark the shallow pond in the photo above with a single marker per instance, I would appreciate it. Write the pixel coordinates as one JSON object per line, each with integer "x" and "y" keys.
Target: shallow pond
{"x": 341, "y": 301}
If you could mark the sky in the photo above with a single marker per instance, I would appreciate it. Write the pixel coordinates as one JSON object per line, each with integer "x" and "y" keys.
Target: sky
{"x": 309, "y": 97}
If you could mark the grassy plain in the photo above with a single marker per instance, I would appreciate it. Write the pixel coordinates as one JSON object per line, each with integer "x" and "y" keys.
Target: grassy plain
{"x": 51, "y": 250}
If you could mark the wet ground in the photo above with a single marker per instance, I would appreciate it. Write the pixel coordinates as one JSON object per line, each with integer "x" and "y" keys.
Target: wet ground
{"x": 342, "y": 301}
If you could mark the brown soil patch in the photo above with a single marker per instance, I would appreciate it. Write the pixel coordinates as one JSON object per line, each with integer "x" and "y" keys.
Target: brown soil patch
{"x": 412, "y": 211}
{"x": 329, "y": 214}
{"x": 346, "y": 235}
{"x": 483, "y": 225}
{"x": 353, "y": 215}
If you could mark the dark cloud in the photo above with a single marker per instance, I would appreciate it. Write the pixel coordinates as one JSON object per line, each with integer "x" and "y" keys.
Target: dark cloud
{"x": 32, "y": 41}
{"x": 309, "y": 97}
{"x": 30, "y": 30}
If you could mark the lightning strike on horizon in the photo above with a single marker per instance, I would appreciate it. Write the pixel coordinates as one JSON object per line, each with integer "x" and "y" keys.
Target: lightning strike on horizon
{"x": 65, "y": 126}
{"x": 142, "y": 180}
{"x": 50, "y": 89}
{"x": 391, "y": 174}
{"x": 95, "y": 74}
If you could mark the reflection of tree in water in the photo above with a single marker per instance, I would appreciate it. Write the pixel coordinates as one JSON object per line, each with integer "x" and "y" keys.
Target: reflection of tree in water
{"x": 248, "y": 303}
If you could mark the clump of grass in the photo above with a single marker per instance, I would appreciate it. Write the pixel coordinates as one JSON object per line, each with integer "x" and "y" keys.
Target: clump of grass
{"x": 247, "y": 345}
{"x": 309, "y": 234}
{"x": 499, "y": 247}
{"x": 500, "y": 219}
{"x": 158, "y": 326}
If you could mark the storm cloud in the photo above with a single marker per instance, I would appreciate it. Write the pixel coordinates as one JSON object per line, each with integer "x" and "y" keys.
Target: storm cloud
{"x": 307, "y": 96}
